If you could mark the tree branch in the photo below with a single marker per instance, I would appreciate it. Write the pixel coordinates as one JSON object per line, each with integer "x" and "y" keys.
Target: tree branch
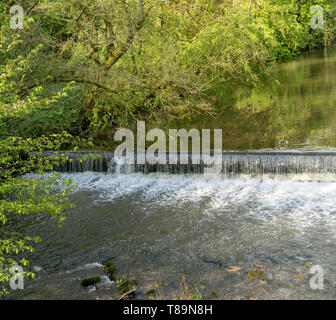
{"x": 82, "y": 80}
{"x": 114, "y": 57}
{"x": 83, "y": 10}
{"x": 32, "y": 7}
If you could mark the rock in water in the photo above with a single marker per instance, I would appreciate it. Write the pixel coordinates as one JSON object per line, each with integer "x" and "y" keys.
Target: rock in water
{"x": 90, "y": 281}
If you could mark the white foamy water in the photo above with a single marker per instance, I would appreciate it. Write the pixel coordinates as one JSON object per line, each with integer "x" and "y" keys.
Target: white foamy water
{"x": 167, "y": 224}
{"x": 87, "y": 266}
{"x": 260, "y": 196}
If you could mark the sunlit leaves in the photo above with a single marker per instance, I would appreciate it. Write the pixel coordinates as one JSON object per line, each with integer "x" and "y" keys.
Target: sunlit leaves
{"x": 26, "y": 188}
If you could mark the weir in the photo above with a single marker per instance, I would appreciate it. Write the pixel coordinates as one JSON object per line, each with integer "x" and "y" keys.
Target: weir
{"x": 276, "y": 162}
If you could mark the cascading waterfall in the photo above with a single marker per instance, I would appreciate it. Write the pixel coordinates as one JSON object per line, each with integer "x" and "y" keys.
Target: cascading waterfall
{"x": 258, "y": 163}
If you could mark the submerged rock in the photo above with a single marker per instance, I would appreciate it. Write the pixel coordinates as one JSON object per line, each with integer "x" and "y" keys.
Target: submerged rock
{"x": 232, "y": 269}
{"x": 256, "y": 274}
{"x": 150, "y": 292}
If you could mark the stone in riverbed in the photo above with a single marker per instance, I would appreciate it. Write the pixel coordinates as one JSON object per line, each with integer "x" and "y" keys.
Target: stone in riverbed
{"x": 256, "y": 274}
{"x": 126, "y": 285}
{"x": 90, "y": 281}
{"x": 151, "y": 291}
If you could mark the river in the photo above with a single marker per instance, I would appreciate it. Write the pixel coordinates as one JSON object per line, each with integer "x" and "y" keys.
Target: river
{"x": 160, "y": 228}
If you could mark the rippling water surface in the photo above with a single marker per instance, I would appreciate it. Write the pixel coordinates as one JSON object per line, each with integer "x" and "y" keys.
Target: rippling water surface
{"x": 157, "y": 227}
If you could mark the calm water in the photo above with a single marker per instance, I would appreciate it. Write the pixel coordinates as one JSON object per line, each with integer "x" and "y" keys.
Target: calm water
{"x": 157, "y": 227}
{"x": 295, "y": 109}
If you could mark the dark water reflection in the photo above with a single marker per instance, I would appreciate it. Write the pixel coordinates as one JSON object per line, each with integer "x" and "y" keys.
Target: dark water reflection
{"x": 294, "y": 109}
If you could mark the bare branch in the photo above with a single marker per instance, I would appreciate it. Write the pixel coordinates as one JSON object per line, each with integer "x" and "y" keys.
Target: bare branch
{"x": 83, "y": 10}
{"x": 32, "y": 7}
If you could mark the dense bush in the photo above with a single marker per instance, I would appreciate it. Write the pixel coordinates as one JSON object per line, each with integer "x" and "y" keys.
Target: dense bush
{"x": 130, "y": 60}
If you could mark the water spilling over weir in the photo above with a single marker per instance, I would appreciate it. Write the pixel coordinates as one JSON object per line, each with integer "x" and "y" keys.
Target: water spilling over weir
{"x": 160, "y": 226}
{"x": 255, "y": 163}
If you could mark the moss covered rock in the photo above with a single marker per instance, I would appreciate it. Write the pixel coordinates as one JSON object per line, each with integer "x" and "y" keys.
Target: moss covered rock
{"x": 110, "y": 269}
{"x": 256, "y": 274}
{"x": 126, "y": 285}
{"x": 151, "y": 291}
{"x": 90, "y": 281}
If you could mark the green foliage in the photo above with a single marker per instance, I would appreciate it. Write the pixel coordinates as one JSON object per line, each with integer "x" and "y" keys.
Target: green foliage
{"x": 110, "y": 269}
{"x": 124, "y": 61}
{"x": 236, "y": 49}
{"x": 33, "y": 119}
{"x": 125, "y": 285}
{"x": 37, "y": 115}
{"x": 22, "y": 194}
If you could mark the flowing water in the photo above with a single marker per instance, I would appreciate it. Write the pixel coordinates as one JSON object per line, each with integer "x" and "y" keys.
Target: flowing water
{"x": 274, "y": 212}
